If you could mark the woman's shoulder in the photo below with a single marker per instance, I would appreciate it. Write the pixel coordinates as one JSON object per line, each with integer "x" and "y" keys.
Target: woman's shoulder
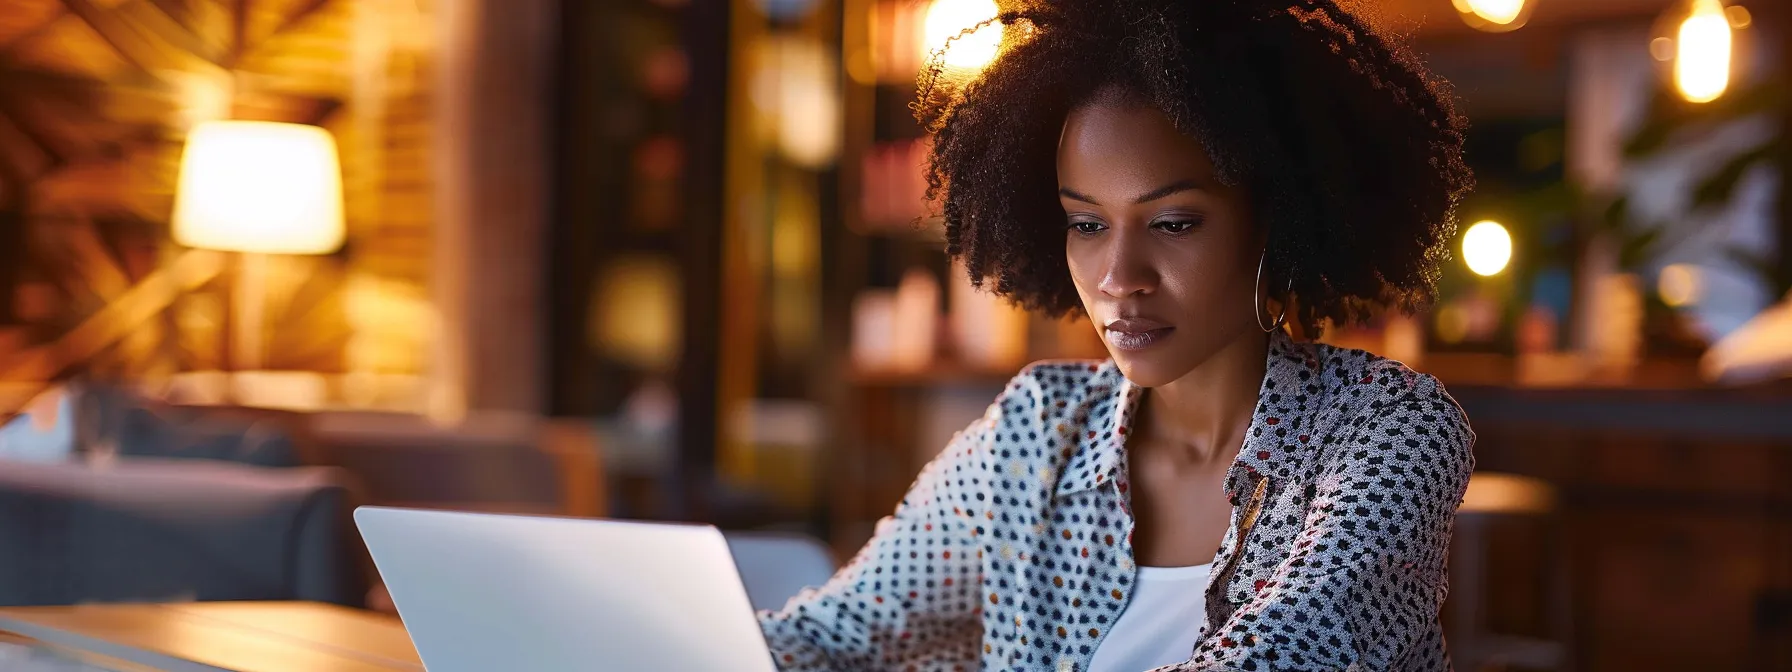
{"x": 1365, "y": 382}
{"x": 1390, "y": 407}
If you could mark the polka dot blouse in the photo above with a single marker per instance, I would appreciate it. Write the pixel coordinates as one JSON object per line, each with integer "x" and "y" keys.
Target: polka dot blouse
{"x": 1012, "y": 550}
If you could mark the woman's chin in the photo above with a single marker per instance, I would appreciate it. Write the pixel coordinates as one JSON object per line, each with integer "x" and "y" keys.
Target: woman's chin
{"x": 1140, "y": 370}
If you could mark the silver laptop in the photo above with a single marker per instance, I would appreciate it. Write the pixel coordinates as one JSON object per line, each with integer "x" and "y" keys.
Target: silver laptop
{"x": 482, "y": 592}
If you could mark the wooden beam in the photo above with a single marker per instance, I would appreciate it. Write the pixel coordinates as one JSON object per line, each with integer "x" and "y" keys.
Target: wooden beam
{"x": 118, "y": 319}
{"x": 94, "y": 262}
{"x": 149, "y": 18}
{"x": 133, "y": 40}
{"x": 33, "y": 32}
{"x": 13, "y": 112}
{"x": 239, "y": 33}
{"x": 15, "y": 396}
{"x": 298, "y": 16}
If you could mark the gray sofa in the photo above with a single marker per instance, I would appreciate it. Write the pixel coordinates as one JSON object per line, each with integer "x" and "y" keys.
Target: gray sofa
{"x": 163, "y": 529}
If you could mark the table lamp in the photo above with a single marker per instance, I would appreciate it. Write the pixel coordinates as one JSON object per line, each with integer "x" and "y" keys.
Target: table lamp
{"x": 257, "y": 188}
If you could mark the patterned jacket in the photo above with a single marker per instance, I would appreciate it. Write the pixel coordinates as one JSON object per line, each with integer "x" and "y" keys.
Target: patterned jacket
{"x": 1012, "y": 550}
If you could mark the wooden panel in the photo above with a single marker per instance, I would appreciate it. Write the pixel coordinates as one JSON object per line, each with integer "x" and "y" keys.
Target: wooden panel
{"x": 1774, "y": 609}
{"x": 1672, "y": 591}
{"x": 1678, "y": 513}
{"x": 1669, "y": 465}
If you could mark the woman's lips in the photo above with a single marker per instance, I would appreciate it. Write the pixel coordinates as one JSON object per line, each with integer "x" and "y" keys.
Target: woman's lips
{"x": 1136, "y": 333}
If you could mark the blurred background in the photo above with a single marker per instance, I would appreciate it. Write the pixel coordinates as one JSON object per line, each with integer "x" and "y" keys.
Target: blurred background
{"x": 671, "y": 260}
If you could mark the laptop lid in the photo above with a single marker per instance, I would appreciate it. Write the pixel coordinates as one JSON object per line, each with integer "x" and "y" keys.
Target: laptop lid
{"x": 481, "y": 592}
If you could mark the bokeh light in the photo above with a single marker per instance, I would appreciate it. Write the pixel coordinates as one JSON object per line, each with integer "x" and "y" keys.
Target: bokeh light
{"x": 1680, "y": 285}
{"x": 1487, "y": 248}
{"x": 803, "y": 90}
{"x": 1502, "y": 12}
{"x": 1452, "y": 323}
{"x": 1494, "y": 16}
{"x": 1739, "y": 17}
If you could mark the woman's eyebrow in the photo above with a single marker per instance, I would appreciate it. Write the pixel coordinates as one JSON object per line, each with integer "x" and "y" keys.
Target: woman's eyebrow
{"x": 1176, "y": 187}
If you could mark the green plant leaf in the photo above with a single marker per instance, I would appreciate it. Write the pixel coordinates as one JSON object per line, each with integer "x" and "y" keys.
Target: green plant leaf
{"x": 1764, "y": 267}
{"x": 1718, "y": 187}
{"x": 1617, "y": 215}
{"x": 1635, "y": 249}
{"x": 1749, "y": 259}
{"x": 1667, "y": 116}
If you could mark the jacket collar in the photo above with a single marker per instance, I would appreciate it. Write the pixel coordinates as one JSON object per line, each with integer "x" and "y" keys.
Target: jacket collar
{"x": 1281, "y": 428}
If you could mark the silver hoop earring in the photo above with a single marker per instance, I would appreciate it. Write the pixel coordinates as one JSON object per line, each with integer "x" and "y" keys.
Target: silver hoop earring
{"x": 1257, "y": 298}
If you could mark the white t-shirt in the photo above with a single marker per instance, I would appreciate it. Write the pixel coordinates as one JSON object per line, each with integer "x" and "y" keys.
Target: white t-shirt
{"x": 1161, "y": 623}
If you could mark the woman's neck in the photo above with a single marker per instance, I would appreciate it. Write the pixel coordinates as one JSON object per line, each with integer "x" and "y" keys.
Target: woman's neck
{"x": 1204, "y": 414}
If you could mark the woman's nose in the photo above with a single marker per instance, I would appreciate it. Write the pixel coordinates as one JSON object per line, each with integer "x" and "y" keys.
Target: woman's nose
{"x": 1128, "y": 270}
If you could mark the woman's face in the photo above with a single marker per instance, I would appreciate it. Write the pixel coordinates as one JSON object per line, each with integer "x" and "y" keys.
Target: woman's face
{"x": 1164, "y": 257}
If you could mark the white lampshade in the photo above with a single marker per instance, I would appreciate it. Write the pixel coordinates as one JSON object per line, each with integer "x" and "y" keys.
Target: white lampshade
{"x": 257, "y": 186}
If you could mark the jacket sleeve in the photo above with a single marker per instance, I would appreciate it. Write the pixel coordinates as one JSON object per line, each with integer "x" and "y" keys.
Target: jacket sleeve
{"x": 1366, "y": 576}
{"x": 910, "y": 597}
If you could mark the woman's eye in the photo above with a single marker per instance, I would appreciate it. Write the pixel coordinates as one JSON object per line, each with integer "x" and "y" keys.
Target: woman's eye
{"x": 1086, "y": 227}
{"x": 1176, "y": 225}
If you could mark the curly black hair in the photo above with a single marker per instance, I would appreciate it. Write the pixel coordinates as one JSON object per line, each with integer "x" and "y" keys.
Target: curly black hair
{"x": 1350, "y": 149}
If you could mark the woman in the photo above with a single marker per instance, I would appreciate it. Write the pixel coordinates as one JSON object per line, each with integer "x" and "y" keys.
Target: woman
{"x": 1192, "y": 176}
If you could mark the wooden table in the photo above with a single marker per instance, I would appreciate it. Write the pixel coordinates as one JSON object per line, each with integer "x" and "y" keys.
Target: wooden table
{"x": 223, "y": 636}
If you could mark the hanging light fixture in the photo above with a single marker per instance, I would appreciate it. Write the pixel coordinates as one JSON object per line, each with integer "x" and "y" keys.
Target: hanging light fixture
{"x": 1495, "y": 16}
{"x": 1697, "y": 39}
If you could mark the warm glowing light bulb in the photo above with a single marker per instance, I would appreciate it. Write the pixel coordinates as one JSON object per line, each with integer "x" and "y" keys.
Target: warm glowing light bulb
{"x": 946, "y": 19}
{"x": 1498, "y": 12}
{"x": 1702, "y": 55}
{"x": 1487, "y": 248}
